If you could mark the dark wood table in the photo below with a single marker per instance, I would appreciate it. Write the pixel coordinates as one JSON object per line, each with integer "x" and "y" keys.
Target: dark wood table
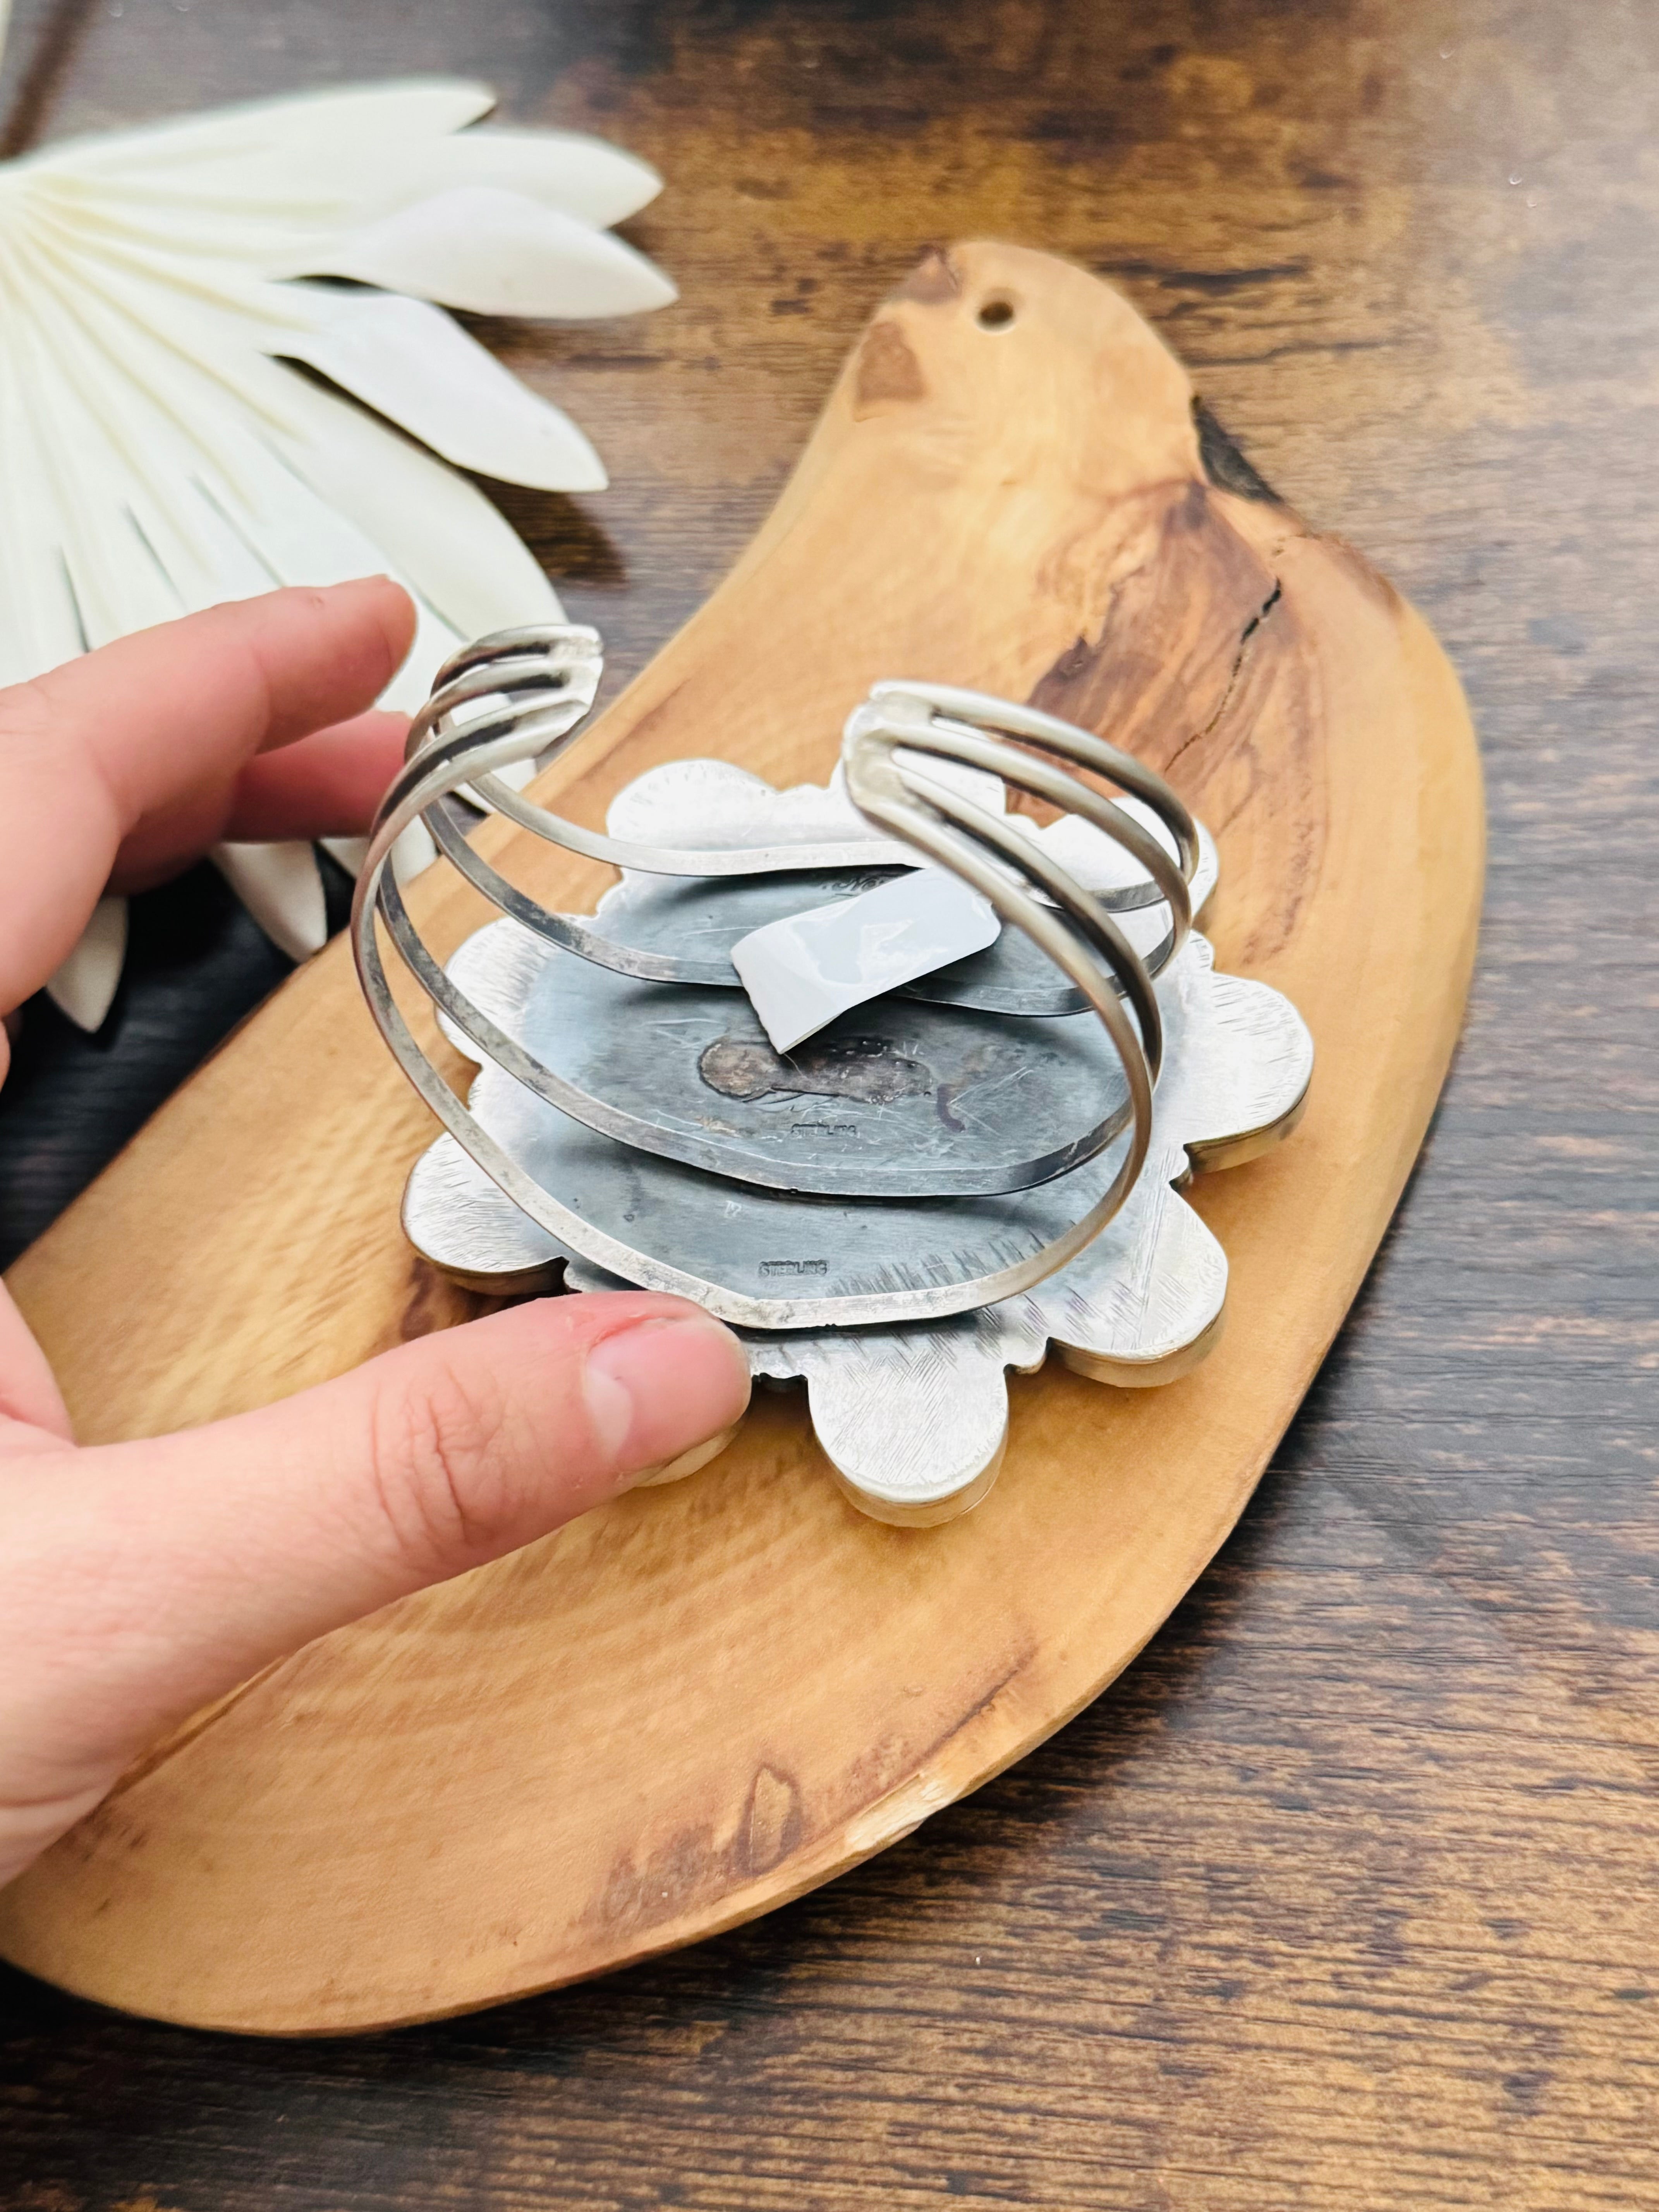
{"x": 1344, "y": 1895}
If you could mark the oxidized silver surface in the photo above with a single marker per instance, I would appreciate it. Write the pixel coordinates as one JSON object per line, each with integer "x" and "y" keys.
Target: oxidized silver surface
{"x": 920, "y": 760}
{"x": 896, "y": 1099}
{"x": 685, "y": 927}
{"x": 935, "y": 1187}
{"x": 912, "y": 1416}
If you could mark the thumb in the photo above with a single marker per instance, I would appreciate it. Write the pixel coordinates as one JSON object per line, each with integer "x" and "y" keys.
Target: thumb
{"x": 138, "y": 1581}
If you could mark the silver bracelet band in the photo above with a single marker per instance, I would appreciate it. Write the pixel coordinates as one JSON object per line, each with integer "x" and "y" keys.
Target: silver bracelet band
{"x": 530, "y": 690}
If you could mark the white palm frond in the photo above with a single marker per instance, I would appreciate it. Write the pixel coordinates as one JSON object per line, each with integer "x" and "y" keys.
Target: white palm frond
{"x": 158, "y": 452}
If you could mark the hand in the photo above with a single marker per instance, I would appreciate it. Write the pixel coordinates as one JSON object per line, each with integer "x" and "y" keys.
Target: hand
{"x": 138, "y": 1581}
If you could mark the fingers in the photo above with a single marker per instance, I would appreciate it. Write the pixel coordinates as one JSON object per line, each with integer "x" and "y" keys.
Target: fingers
{"x": 29, "y": 1389}
{"x": 138, "y": 1581}
{"x": 117, "y": 745}
{"x": 156, "y": 710}
{"x": 325, "y": 786}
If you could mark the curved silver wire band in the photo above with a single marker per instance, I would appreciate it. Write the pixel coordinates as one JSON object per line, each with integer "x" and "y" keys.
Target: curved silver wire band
{"x": 546, "y": 677}
{"x": 495, "y": 664}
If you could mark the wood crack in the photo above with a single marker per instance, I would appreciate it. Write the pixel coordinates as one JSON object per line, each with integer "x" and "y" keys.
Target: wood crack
{"x": 1254, "y": 623}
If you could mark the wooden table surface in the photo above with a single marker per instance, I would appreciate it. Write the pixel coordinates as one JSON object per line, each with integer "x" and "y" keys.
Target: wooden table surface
{"x": 1345, "y": 1894}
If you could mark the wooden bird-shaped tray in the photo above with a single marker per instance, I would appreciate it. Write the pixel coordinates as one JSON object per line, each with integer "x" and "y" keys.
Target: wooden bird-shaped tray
{"x": 700, "y": 1701}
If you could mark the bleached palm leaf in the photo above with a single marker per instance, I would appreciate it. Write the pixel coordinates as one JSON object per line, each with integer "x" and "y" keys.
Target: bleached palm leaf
{"x": 159, "y": 453}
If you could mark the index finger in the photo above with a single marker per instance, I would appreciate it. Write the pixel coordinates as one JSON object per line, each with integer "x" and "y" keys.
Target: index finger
{"x": 119, "y": 737}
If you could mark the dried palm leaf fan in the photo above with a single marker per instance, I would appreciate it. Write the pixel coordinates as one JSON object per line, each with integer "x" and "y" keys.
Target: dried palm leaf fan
{"x": 159, "y": 450}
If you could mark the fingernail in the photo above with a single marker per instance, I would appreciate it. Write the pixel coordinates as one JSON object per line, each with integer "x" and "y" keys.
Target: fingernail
{"x": 662, "y": 1386}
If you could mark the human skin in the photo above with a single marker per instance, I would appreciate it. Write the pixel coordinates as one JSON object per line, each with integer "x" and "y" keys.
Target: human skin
{"x": 139, "y": 1581}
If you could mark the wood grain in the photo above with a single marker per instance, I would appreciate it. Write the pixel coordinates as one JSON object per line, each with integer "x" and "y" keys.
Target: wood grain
{"x": 1342, "y": 1897}
{"x": 435, "y": 1810}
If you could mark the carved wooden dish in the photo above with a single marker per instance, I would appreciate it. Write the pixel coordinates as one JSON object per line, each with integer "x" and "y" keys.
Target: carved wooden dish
{"x": 702, "y": 1700}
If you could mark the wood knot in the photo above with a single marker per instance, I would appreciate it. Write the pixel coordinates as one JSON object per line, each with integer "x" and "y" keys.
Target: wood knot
{"x": 773, "y": 1827}
{"x": 933, "y": 281}
{"x": 889, "y": 374}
